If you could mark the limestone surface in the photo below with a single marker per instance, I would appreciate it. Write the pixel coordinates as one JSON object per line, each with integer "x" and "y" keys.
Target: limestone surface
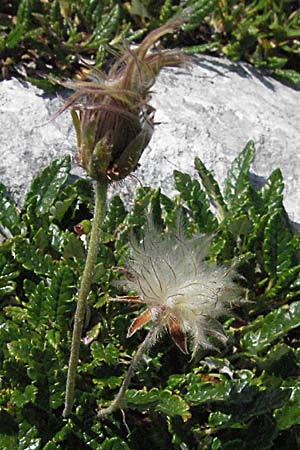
{"x": 210, "y": 110}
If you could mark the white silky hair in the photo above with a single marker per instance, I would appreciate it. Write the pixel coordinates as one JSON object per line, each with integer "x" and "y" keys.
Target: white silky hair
{"x": 172, "y": 277}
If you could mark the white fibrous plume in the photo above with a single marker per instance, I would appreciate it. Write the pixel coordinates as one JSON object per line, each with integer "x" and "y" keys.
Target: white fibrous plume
{"x": 184, "y": 295}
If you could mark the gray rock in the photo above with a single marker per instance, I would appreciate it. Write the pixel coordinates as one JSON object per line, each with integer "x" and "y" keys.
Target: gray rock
{"x": 210, "y": 111}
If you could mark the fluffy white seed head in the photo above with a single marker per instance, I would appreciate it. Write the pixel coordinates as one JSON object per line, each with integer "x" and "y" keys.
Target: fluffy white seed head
{"x": 175, "y": 283}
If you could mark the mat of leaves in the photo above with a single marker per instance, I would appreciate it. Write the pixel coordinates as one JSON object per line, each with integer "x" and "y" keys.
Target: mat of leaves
{"x": 41, "y": 40}
{"x": 243, "y": 396}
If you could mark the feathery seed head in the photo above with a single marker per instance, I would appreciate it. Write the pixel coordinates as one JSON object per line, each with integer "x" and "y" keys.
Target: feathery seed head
{"x": 183, "y": 294}
{"x": 111, "y": 113}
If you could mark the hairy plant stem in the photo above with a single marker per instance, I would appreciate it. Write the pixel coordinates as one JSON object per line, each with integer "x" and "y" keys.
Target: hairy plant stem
{"x": 86, "y": 280}
{"x": 117, "y": 402}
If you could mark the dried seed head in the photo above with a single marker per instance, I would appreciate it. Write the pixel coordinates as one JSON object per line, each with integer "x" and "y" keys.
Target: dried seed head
{"x": 111, "y": 113}
{"x": 183, "y": 294}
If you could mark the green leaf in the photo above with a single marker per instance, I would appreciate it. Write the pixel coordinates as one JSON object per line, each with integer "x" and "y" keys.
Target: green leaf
{"x": 109, "y": 354}
{"x": 32, "y": 258}
{"x": 114, "y": 218}
{"x": 211, "y": 187}
{"x": 20, "y": 399}
{"x": 29, "y": 437}
{"x": 202, "y": 48}
{"x": 73, "y": 247}
{"x": 200, "y": 391}
{"x": 23, "y": 21}
{"x": 288, "y": 76}
{"x": 155, "y": 210}
{"x": 266, "y": 329}
{"x": 137, "y": 217}
{"x": 20, "y": 349}
{"x": 241, "y": 399}
{"x": 104, "y": 30}
{"x": 201, "y": 9}
{"x": 138, "y": 9}
{"x": 165, "y": 11}
{"x": 162, "y": 401}
{"x": 73, "y": 195}
{"x": 237, "y": 179}
{"x": 59, "y": 296}
{"x": 285, "y": 284}
{"x": 114, "y": 443}
{"x": 278, "y": 252}
{"x": 272, "y": 191}
{"x": 289, "y": 414}
{"x": 10, "y": 223}
{"x": 193, "y": 195}
{"x": 41, "y": 239}
{"x": 47, "y": 185}
{"x": 280, "y": 361}
{"x": 8, "y": 274}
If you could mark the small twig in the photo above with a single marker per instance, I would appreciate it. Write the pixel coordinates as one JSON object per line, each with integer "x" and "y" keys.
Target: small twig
{"x": 117, "y": 402}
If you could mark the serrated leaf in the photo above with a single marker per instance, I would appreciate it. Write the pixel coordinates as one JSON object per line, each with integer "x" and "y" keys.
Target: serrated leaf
{"x": 20, "y": 349}
{"x": 183, "y": 184}
{"x": 193, "y": 195}
{"x": 104, "y": 30}
{"x": 279, "y": 361}
{"x": 277, "y": 249}
{"x": 80, "y": 192}
{"x": 29, "y": 437}
{"x": 165, "y": 11}
{"x": 272, "y": 191}
{"x": 137, "y": 216}
{"x": 8, "y": 289}
{"x": 17, "y": 313}
{"x": 10, "y": 223}
{"x": 155, "y": 212}
{"x": 23, "y": 20}
{"x": 47, "y": 185}
{"x": 109, "y": 353}
{"x": 41, "y": 239}
{"x": 59, "y": 296}
{"x": 266, "y": 329}
{"x": 218, "y": 419}
{"x": 73, "y": 247}
{"x": 211, "y": 187}
{"x": 200, "y": 391}
{"x": 8, "y": 275}
{"x": 59, "y": 209}
{"x": 201, "y": 9}
{"x": 114, "y": 443}
{"x": 32, "y": 258}
{"x": 242, "y": 400}
{"x": 237, "y": 178}
{"x": 115, "y": 216}
{"x": 286, "y": 283}
{"x": 289, "y": 76}
{"x": 162, "y": 401}
{"x": 289, "y": 414}
{"x": 20, "y": 399}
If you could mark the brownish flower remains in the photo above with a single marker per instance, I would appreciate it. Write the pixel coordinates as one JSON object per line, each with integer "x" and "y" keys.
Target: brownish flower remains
{"x": 111, "y": 112}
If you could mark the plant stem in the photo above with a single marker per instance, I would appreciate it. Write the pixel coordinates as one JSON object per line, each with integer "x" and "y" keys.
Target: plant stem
{"x": 116, "y": 403}
{"x": 86, "y": 280}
